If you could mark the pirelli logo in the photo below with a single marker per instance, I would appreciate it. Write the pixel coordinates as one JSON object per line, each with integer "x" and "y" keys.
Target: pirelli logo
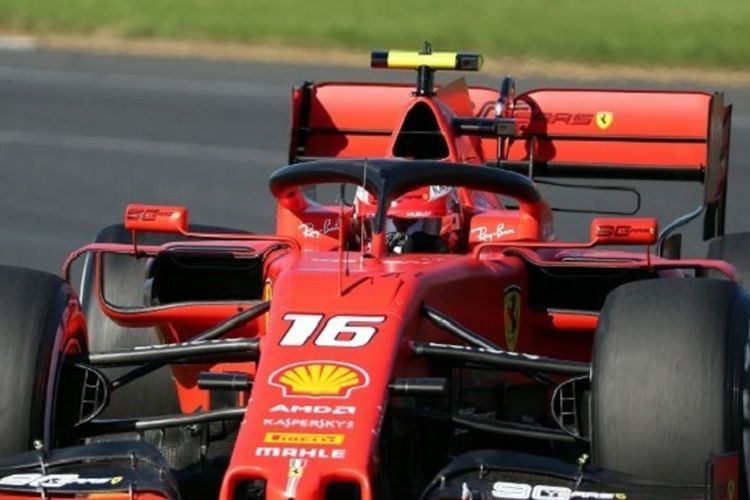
{"x": 300, "y": 438}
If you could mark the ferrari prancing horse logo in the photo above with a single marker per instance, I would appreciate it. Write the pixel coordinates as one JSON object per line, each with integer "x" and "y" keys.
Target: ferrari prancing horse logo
{"x": 604, "y": 119}
{"x": 512, "y": 315}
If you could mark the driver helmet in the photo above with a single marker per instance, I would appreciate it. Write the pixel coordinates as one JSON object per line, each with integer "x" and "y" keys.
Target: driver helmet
{"x": 427, "y": 219}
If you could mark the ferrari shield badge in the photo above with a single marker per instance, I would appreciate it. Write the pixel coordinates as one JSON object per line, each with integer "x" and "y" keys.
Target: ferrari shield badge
{"x": 267, "y": 294}
{"x": 296, "y": 469}
{"x": 511, "y": 315}
{"x": 604, "y": 119}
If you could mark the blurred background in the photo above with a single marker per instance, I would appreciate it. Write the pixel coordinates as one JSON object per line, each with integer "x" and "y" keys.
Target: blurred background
{"x": 106, "y": 102}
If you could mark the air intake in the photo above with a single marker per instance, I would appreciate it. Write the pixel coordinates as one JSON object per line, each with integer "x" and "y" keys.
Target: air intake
{"x": 420, "y": 137}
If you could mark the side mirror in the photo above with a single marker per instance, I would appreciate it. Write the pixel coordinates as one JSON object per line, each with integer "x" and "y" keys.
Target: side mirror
{"x": 156, "y": 218}
{"x": 624, "y": 231}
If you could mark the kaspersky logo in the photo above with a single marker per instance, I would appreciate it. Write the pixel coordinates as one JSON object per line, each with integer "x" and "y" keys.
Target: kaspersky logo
{"x": 319, "y": 379}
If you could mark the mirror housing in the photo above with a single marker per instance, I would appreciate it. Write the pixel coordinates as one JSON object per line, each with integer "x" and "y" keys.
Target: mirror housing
{"x": 156, "y": 218}
{"x": 624, "y": 231}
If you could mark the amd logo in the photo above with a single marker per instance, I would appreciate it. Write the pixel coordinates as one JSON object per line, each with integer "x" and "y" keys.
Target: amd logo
{"x": 315, "y": 409}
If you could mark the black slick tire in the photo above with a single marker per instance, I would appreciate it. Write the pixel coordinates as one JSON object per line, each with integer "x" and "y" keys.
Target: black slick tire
{"x": 40, "y": 320}
{"x": 735, "y": 249}
{"x": 124, "y": 277}
{"x": 667, "y": 378}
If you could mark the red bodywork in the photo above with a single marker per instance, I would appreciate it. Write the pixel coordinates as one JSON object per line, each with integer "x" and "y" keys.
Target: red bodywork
{"x": 340, "y": 325}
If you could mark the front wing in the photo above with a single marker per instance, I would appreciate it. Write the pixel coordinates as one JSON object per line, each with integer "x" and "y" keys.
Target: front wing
{"x": 490, "y": 474}
{"x": 118, "y": 470}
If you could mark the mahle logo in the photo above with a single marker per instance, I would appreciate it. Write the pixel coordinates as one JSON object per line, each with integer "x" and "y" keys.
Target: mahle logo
{"x": 319, "y": 379}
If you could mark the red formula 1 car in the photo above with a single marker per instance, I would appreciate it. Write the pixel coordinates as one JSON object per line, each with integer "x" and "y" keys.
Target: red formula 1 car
{"x": 422, "y": 335}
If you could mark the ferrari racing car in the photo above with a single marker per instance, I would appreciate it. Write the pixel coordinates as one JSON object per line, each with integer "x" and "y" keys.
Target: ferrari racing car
{"x": 413, "y": 328}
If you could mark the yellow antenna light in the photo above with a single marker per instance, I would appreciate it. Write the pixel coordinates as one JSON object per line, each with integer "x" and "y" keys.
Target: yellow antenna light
{"x": 404, "y": 59}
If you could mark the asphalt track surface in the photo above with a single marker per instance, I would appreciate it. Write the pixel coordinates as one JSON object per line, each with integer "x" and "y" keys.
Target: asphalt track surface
{"x": 83, "y": 135}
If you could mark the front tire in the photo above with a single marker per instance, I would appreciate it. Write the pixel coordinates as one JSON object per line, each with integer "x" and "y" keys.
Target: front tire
{"x": 40, "y": 322}
{"x": 668, "y": 374}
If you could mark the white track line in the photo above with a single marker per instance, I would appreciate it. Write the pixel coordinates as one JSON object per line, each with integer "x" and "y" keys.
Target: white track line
{"x": 142, "y": 147}
{"x": 17, "y": 43}
{"x": 119, "y": 81}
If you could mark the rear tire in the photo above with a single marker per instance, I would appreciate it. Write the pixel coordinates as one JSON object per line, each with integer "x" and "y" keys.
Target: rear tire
{"x": 124, "y": 278}
{"x": 156, "y": 393}
{"x": 668, "y": 376}
{"x": 735, "y": 249}
{"x": 40, "y": 321}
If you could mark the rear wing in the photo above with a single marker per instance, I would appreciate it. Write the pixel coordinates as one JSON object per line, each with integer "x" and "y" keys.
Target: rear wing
{"x": 345, "y": 120}
{"x": 623, "y": 134}
{"x": 357, "y": 120}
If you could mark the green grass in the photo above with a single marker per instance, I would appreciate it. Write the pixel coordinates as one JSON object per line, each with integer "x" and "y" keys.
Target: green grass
{"x": 673, "y": 32}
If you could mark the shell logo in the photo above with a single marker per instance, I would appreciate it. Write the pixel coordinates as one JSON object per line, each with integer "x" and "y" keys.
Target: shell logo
{"x": 319, "y": 379}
